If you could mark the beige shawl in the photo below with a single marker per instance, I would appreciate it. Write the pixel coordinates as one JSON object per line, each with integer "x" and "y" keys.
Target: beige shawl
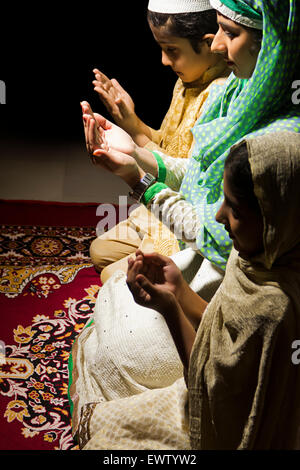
{"x": 244, "y": 389}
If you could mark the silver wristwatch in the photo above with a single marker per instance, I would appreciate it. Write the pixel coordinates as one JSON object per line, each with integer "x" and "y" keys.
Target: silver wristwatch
{"x": 142, "y": 186}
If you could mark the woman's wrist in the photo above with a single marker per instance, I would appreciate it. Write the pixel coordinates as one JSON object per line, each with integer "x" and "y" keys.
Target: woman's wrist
{"x": 134, "y": 177}
{"x": 145, "y": 159}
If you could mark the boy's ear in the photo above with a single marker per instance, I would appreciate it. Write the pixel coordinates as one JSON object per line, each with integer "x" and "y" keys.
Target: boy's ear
{"x": 208, "y": 38}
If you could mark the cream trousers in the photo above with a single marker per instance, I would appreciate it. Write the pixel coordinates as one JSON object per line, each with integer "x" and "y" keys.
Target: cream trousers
{"x": 110, "y": 251}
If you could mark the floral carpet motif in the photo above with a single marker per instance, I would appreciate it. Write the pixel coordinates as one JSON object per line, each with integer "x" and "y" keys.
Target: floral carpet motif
{"x": 34, "y": 372}
{"x": 41, "y": 280}
{"x": 33, "y": 245}
{"x": 48, "y": 289}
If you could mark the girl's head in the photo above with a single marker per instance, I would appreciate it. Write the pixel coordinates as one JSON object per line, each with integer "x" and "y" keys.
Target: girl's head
{"x": 261, "y": 193}
{"x": 240, "y": 212}
{"x": 239, "y": 36}
{"x": 185, "y": 40}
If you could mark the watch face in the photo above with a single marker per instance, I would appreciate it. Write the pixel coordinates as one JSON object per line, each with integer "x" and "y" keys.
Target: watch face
{"x": 142, "y": 186}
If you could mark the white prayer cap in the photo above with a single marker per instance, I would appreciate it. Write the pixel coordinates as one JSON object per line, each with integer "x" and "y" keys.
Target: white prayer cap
{"x": 178, "y": 6}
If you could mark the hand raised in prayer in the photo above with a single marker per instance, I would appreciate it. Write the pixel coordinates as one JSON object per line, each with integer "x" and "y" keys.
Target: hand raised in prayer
{"x": 154, "y": 281}
{"x": 115, "y": 137}
{"x": 93, "y": 140}
{"x": 117, "y": 102}
{"x": 109, "y": 147}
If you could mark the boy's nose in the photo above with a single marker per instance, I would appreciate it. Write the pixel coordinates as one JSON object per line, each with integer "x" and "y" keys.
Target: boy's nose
{"x": 165, "y": 59}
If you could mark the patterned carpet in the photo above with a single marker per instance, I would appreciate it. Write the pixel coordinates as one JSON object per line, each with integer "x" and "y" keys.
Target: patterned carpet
{"x": 48, "y": 289}
{"x": 32, "y": 245}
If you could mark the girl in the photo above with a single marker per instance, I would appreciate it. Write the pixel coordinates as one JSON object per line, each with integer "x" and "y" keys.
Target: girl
{"x": 243, "y": 389}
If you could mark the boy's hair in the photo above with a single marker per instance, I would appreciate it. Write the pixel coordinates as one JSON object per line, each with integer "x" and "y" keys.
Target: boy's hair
{"x": 240, "y": 177}
{"x": 191, "y": 26}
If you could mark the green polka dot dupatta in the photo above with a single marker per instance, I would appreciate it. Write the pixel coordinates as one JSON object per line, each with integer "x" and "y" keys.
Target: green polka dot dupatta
{"x": 246, "y": 108}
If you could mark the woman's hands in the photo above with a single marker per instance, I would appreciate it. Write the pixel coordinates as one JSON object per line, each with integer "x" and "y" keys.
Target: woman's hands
{"x": 114, "y": 136}
{"x": 116, "y": 139}
{"x": 155, "y": 281}
{"x": 110, "y": 147}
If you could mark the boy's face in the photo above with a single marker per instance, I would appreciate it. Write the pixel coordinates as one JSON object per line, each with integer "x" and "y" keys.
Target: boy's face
{"x": 179, "y": 54}
{"x": 237, "y": 46}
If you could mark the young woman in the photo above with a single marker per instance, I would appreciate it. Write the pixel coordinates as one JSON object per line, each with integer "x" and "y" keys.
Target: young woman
{"x": 243, "y": 390}
{"x": 184, "y": 31}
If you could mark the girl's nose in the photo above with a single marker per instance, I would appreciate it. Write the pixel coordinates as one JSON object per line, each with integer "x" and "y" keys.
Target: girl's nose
{"x": 218, "y": 45}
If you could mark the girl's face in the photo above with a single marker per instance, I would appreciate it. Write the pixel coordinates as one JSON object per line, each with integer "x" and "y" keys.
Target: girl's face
{"x": 237, "y": 46}
{"x": 244, "y": 224}
{"x": 179, "y": 54}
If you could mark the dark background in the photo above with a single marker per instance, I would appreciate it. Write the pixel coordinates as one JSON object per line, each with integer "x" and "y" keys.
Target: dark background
{"x": 48, "y": 53}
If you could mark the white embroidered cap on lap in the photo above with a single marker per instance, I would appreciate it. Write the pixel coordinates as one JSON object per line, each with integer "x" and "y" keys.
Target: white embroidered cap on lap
{"x": 178, "y": 6}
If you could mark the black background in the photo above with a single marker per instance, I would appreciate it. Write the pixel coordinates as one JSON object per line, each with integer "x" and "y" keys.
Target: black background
{"x": 48, "y": 52}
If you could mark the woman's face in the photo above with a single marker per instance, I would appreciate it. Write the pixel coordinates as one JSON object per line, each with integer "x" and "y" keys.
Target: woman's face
{"x": 179, "y": 54}
{"x": 244, "y": 224}
{"x": 237, "y": 46}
